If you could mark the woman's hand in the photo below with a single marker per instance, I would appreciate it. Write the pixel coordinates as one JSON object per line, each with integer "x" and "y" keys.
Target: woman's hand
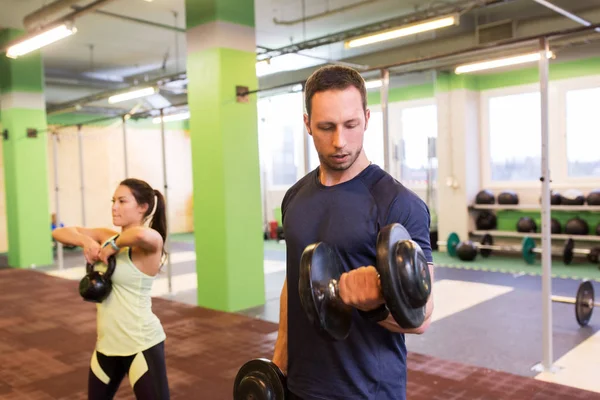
{"x": 91, "y": 251}
{"x": 105, "y": 253}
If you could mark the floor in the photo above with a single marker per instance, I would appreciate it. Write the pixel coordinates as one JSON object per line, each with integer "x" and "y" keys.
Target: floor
{"x": 483, "y": 343}
{"x": 45, "y": 349}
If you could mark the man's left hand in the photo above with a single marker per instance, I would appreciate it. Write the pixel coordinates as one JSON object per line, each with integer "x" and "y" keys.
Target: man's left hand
{"x": 361, "y": 288}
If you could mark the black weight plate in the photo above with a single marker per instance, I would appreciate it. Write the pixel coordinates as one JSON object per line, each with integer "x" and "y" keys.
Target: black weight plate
{"x": 320, "y": 271}
{"x": 393, "y": 263}
{"x": 568, "y": 252}
{"x": 487, "y": 240}
{"x": 584, "y": 303}
{"x": 594, "y": 255}
{"x": 259, "y": 379}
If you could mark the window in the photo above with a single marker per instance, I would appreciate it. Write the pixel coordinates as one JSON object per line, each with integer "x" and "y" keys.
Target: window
{"x": 419, "y": 131}
{"x": 373, "y": 139}
{"x": 280, "y": 129}
{"x": 515, "y": 137}
{"x": 582, "y": 124}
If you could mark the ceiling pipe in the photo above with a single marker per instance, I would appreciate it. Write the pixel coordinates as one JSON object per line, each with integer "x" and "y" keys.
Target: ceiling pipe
{"x": 444, "y": 9}
{"x": 106, "y": 94}
{"x": 136, "y": 20}
{"x": 323, "y": 14}
{"x": 40, "y": 17}
{"x": 565, "y": 13}
{"x": 69, "y": 18}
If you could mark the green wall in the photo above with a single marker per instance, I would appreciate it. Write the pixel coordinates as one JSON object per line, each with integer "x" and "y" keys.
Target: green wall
{"x": 524, "y": 76}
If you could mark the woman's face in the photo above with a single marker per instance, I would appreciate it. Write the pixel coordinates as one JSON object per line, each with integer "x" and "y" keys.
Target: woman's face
{"x": 125, "y": 209}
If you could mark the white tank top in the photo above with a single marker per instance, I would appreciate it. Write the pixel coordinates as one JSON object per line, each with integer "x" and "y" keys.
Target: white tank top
{"x": 125, "y": 321}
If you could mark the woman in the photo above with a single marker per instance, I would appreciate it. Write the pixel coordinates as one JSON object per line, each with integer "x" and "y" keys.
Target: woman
{"x": 130, "y": 337}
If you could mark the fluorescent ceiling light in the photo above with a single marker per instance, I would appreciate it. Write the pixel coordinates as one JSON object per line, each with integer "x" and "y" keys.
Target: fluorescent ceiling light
{"x": 500, "y": 62}
{"x": 172, "y": 117}
{"x": 373, "y": 84}
{"x": 420, "y": 27}
{"x": 41, "y": 40}
{"x": 135, "y": 94}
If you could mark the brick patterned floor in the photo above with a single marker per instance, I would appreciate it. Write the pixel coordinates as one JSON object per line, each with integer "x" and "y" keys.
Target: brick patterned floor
{"x": 47, "y": 335}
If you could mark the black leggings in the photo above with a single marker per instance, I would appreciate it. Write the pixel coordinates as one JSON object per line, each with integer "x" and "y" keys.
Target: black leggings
{"x": 147, "y": 374}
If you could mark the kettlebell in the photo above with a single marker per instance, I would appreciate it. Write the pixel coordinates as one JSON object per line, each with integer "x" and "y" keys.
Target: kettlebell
{"x": 95, "y": 285}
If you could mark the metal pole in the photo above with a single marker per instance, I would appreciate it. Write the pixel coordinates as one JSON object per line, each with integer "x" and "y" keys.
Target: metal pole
{"x": 385, "y": 85}
{"x": 59, "y": 246}
{"x": 125, "y": 146}
{"x": 546, "y": 243}
{"x": 81, "y": 174}
{"x": 166, "y": 193}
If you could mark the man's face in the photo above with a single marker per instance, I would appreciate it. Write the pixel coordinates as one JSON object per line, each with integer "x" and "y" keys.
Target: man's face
{"x": 337, "y": 125}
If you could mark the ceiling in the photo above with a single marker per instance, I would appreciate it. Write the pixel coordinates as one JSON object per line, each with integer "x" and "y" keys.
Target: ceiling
{"x": 110, "y": 52}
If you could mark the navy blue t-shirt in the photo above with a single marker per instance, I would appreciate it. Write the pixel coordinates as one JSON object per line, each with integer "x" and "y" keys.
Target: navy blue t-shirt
{"x": 371, "y": 362}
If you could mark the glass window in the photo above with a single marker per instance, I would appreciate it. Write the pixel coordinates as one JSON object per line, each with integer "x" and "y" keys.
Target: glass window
{"x": 515, "y": 137}
{"x": 583, "y": 127}
{"x": 419, "y": 131}
{"x": 279, "y": 127}
{"x": 373, "y": 140}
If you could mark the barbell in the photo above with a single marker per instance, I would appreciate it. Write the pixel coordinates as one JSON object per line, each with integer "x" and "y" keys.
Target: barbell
{"x": 528, "y": 249}
{"x": 584, "y": 302}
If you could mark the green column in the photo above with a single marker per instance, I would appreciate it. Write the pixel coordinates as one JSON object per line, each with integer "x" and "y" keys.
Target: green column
{"x": 22, "y": 107}
{"x": 221, "y": 55}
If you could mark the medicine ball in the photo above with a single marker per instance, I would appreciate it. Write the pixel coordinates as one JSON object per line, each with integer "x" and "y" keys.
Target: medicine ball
{"x": 576, "y": 226}
{"x": 573, "y": 197}
{"x": 466, "y": 251}
{"x": 555, "y": 227}
{"x": 485, "y": 220}
{"x": 555, "y": 198}
{"x": 485, "y": 197}
{"x": 593, "y": 198}
{"x": 526, "y": 224}
{"x": 508, "y": 197}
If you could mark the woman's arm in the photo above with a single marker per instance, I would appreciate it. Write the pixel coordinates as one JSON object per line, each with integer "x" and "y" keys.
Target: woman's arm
{"x": 79, "y": 236}
{"x": 147, "y": 239}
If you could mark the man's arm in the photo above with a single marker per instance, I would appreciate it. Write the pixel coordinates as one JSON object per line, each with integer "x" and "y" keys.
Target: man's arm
{"x": 390, "y": 323}
{"x": 280, "y": 358}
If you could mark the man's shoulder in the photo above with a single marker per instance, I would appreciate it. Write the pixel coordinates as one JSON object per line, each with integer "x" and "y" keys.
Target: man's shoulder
{"x": 296, "y": 187}
{"x": 388, "y": 190}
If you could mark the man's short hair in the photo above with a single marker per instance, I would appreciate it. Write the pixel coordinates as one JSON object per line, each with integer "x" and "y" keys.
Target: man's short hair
{"x": 333, "y": 77}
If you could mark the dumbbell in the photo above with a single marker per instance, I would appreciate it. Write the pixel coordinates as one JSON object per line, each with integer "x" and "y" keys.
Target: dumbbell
{"x": 584, "y": 302}
{"x": 568, "y": 251}
{"x": 260, "y": 379}
{"x": 528, "y": 249}
{"x": 403, "y": 273}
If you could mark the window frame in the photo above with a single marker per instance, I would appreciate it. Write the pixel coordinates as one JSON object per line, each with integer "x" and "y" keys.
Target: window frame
{"x": 396, "y": 134}
{"x": 484, "y": 126}
{"x": 561, "y": 88}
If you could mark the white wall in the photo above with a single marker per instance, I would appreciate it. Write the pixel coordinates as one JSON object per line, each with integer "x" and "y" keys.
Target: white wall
{"x": 104, "y": 168}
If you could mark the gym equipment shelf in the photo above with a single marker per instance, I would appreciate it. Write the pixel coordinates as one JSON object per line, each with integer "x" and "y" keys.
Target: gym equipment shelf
{"x": 579, "y": 238}
{"x": 533, "y": 207}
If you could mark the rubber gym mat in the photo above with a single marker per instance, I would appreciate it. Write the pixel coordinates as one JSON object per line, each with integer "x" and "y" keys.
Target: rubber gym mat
{"x": 46, "y": 341}
{"x": 514, "y": 265}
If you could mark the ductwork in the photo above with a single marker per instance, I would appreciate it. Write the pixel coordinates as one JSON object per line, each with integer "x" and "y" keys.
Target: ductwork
{"x": 44, "y": 15}
{"x": 444, "y": 9}
{"x": 323, "y": 14}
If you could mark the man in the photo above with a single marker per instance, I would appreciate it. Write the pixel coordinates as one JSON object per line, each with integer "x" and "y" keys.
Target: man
{"x": 345, "y": 202}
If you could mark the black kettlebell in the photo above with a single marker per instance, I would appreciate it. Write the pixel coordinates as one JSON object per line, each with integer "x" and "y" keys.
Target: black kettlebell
{"x": 95, "y": 285}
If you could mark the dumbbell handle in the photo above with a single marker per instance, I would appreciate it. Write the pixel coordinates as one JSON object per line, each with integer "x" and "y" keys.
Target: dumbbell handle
{"x": 585, "y": 252}
{"x": 569, "y": 300}
{"x": 495, "y": 247}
